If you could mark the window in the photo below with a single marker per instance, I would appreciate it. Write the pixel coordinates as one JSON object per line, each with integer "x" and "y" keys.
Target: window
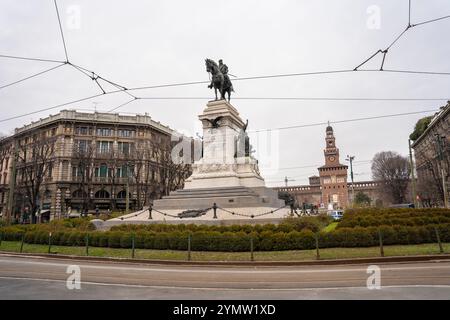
{"x": 102, "y": 194}
{"x": 327, "y": 180}
{"x": 126, "y": 133}
{"x": 104, "y": 146}
{"x": 122, "y": 171}
{"x": 335, "y": 198}
{"x": 125, "y": 147}
{"x": 82, "y": 131}
{"x": 77, "y": 172}
{"x": 80, "y": 194}
{"x": 50, "y": 170}
{"x": 104, "y": 132}
{"x": 81, "y": 145}
{"x": 102, "y": 171}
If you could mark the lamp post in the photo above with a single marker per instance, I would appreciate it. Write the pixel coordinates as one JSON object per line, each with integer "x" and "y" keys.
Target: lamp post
{"x": 350, "y": 159}
{"x": 127, "y": 196}
{"x": 440, "y": 140}
{"x": 413, "y": 178}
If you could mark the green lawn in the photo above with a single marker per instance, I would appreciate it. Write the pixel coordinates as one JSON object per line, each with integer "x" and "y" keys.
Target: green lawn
{"x": 330, "y": 227}
{"x": 329, "y": 253}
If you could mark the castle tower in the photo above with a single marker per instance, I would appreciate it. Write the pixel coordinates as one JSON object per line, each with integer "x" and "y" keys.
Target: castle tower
{"x": 333, "y": 175}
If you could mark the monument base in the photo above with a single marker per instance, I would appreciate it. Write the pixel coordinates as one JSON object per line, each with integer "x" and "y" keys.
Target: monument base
{"x": 227, "y": 174}
{"x": 225, "y": 197}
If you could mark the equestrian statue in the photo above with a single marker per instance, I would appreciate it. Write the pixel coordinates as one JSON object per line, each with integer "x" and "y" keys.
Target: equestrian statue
{"x": 220, "y": 79}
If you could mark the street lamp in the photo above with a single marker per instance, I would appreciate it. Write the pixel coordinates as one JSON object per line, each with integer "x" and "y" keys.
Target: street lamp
{"x": 440, "y": 140}
{"x": 127, "y": 196}
{"x": 350, "y": 159}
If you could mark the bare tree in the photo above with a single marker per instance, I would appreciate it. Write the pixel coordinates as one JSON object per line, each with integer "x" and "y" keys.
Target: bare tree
{"x": 83, "y": 160}
{"x": 5, "y": 153}
{"x": 34, "y": 163}
{"x": 172, "y": 173}
{"x": 392, "y": 171}
{"x": 429, "y": 187}
{"x": 5, "y": 150}
{"x": 138, "y": 163}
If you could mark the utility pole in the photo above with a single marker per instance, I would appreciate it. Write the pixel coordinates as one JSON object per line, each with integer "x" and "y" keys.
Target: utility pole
{"x": 350, "y": 159}
{"x": 286, "y": 180}
{"x": 12, "y": 182}
{"x": 127, "y": 197}
{"x": 413, "y": 178}
{"x": 440, "y": 141}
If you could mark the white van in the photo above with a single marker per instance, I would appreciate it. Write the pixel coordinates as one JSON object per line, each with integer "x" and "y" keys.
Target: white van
{"x": 337, "y": 214}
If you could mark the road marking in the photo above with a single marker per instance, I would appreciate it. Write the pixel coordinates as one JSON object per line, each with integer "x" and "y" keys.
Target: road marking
{"x": 226, "y": 289}
{"x": 215, "y": 271}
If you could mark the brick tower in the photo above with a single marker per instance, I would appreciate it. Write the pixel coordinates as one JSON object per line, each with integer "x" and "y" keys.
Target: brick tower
{"x": 333, "y": 175}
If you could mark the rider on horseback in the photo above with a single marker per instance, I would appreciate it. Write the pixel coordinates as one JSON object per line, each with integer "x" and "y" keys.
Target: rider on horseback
{"x": 220, "y": 80}
{"x": 224, "y": 70}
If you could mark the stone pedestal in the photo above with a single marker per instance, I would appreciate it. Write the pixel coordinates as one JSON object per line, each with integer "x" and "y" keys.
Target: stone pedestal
{"x": 224, "y": 163}
{"x": 226, "y": 174}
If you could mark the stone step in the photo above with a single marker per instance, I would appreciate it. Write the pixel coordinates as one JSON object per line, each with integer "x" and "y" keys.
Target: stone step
{"x": 213, "y": 192}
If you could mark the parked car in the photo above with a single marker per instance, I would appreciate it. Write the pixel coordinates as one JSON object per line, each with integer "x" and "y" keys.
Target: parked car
{"x": 337, "y": 214}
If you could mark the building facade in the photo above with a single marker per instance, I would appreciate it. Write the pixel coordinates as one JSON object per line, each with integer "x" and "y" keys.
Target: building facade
{"x": 432, "y": 159}
{"x": 330, "y": 189}
{"x": 333, "y": 175}
{"x": 78, "y": 161}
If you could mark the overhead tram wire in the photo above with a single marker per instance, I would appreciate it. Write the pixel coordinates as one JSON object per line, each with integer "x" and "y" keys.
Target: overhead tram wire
{"x": 430, "y": 21}
{"x": 345, "y": 121}
{"x": 408, "y": 27}
{"x": 302, "y": 98}
{"x": 123, "y": 104}
{"x": 200, "y": 82}
{"x": 30, "y": 59}
{"x": 61, "y": 30}
{"x": 32, "y": 76}
{"x": 318, "y": 165}
{"x": 126, "y": 90}
{"x": 57, "y": 106}
{"x": 285, "y": 75}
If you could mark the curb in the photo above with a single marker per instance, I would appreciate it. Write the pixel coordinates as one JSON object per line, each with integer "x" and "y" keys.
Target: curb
{"x": 392, "y": 259}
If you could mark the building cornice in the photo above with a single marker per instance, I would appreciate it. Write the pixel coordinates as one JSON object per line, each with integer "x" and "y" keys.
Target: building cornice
{"x": 97, "y": 117}
{"x": 438, "y": 116}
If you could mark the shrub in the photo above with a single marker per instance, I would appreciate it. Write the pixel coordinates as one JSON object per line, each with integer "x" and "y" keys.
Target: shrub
{"x": 264, "y": 240}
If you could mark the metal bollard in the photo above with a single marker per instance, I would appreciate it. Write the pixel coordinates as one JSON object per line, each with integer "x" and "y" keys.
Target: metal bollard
{"x": 132, "y": 246}
{"x": 21, "y": 244}
{"x": 252, "y": 257}
{"x": 87, "y": 244}
{"x": 189, "y": 248}
{"x": 150, "y": 208}
{"x": 215, "y": 210}
{"x": 49, "y": 242}
{"x": 317, "y": 246}
{"x": 441, "y": 249}
{"x": 380, "y": 237}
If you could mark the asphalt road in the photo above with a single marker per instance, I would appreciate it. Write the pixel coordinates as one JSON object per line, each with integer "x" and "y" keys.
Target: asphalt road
{"x": 43, "y": 278}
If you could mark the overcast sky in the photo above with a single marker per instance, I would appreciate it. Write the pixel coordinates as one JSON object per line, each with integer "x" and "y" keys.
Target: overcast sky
{"x": 140, "y": 43}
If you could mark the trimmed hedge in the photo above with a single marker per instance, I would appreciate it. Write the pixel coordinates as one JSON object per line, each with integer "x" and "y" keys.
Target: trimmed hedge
{"x": 405, "y": 217}
{"x": 268, "y": 240}
{"x": 287, "y": 225}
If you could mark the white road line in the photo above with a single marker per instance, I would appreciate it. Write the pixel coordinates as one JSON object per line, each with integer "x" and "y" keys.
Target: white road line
{"x": 225, "y": 289}
{"x": 215, "y": 271}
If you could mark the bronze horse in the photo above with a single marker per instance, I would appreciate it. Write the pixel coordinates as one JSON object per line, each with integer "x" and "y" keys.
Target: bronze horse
{"x": 219, "y": 81}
